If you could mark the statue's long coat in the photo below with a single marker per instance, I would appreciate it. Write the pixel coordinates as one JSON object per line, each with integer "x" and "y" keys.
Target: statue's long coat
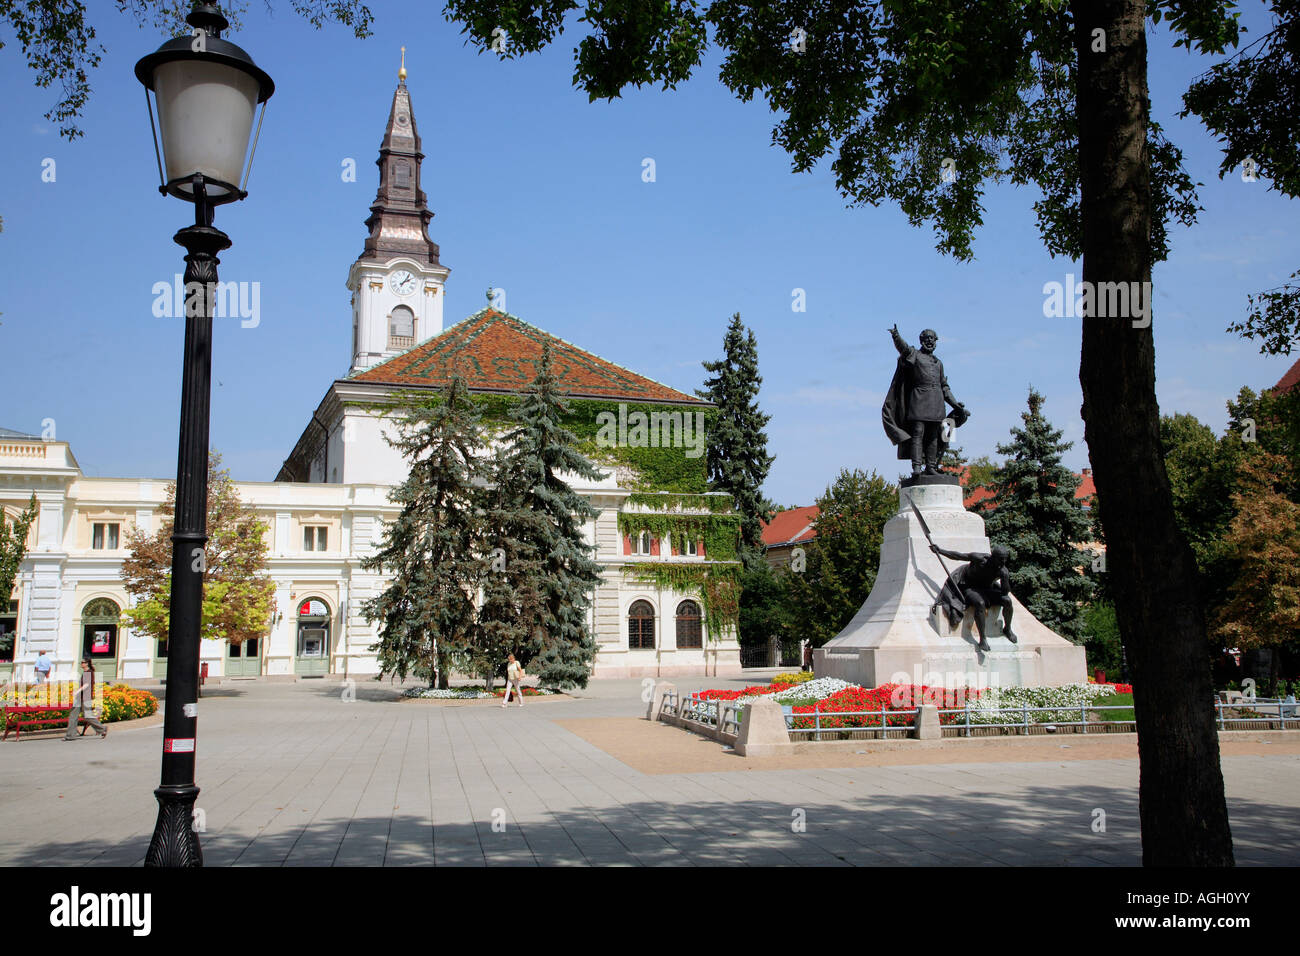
{"x": 905, "y": 402}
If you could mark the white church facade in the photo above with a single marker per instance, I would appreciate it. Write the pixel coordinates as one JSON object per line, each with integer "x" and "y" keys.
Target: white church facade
{"x": 327, "y": 507}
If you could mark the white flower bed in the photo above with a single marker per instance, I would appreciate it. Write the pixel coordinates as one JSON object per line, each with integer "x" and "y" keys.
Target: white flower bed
{"x": 1011, "y": 700}
{"x": 818, "y": 689}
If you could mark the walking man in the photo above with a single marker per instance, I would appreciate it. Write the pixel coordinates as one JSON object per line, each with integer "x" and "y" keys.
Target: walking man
{"x": 42, "y": 667}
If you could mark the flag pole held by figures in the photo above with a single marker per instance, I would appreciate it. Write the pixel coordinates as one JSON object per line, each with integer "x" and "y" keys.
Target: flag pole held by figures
{"x": 929, "y": 540}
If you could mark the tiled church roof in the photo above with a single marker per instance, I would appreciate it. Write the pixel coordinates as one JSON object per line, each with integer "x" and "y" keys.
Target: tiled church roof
{"x": 497, "y": 352}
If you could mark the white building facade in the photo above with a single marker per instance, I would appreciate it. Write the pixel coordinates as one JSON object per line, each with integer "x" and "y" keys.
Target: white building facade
{"x": 327, "y": 508}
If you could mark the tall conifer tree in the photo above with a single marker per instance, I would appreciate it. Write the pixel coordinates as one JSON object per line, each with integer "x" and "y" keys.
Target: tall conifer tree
{"x": 433, "y": 549}
{"x": 562, "y": 647}
{"x": 511, "y": 605}
{"x": 1034, "y": 513}
{"x": 737, "y": 458}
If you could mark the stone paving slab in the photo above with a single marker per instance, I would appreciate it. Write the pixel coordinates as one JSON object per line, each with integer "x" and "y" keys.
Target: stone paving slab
{"x": 291, "y": 774}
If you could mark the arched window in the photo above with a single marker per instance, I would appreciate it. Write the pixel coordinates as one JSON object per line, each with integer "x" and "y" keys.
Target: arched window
{"x": 641, "y": 626}
{"x": 689, "y": 633}
{"x": 401, "y": 328}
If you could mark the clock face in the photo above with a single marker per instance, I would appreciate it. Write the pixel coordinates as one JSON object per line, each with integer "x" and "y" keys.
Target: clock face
{"x": 403, "y": 282}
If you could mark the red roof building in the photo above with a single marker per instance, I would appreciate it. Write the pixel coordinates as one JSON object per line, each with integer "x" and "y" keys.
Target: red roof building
{"x": 1290, "y": 380}
{"x": 498, "y": 352}
{"x": 786, "y": 531}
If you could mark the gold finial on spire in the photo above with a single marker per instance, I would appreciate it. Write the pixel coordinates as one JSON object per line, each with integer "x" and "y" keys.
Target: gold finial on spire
{"x": 401, "y": 74}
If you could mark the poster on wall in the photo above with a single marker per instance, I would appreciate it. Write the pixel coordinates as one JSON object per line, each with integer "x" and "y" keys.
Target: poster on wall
{"x": 100, "y": 642}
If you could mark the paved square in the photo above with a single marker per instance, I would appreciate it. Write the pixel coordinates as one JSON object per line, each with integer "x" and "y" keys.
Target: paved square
{"x": 292, "y": 774}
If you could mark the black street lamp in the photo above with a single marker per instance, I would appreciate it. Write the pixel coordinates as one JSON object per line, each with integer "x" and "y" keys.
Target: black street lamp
{"x": 207, "y": 90}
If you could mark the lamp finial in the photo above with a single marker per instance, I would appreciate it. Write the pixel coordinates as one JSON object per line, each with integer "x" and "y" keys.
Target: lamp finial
{"x": 401, "y": 74}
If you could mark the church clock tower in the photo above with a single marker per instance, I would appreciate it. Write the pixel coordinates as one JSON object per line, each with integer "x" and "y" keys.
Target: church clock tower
{"x": 397, "y": 283}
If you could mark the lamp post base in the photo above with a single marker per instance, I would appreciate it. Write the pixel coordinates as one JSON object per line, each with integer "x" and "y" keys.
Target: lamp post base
{"x": 174, "y": 841}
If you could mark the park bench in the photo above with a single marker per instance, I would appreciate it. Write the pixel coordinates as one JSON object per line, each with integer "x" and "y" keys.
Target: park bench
{"x": 14, "y": 719}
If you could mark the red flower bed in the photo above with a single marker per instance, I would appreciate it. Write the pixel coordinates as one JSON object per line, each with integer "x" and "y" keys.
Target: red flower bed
{"x": 898, "y": 701}
{"x": 1123, "y": 688}
{"x": 735, "y": 694}
{"x": 528, "y": 692}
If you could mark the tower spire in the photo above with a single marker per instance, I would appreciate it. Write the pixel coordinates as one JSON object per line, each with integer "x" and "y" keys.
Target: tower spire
{"x": 400, "y": 216}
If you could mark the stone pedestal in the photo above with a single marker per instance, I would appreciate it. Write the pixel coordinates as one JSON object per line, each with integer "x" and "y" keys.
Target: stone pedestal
{"x": 899, "y": 637}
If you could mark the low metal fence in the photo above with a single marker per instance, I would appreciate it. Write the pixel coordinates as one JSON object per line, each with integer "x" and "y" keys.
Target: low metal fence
{"x": 724, "y": 717}
{"x": 719, "y": 718}
{"x": 829, "y": 722}
{"x": 1258, "y": 710}
{"x": 1062, "y": 717}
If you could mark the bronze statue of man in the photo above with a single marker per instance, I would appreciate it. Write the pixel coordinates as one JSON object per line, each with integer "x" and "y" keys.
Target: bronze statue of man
{"x": 981, "y": 583}
{"x": 915, "y": 408}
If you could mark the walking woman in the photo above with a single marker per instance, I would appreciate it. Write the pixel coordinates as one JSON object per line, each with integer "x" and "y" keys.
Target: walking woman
{"x": 514, "y": 674}
{"x": 84, "y": 702}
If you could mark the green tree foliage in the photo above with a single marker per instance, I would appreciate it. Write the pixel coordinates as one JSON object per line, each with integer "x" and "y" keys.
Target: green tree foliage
{"x": 1201, "y": 477}
{"x": 1034, "y": 513}
{"x": 737, "y": 458}
{"x": 763, "y": 606}
{"x": 238, "y": 596}
{"x": 511, "y": 609}
{"x": 1099, "y": 631}
{"x": 843, "y": 561}
{"x": 58, "y": 39}
{"x": 433, "y": 548}
{"x": 542, "y": 450}
{"x": 13, "y": 546}
{"x": 982, "y": 470}
{"x": 1270, "y": 420}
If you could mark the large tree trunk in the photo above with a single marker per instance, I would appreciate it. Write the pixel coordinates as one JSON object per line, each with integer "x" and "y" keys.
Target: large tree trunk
{"x": 1183, "y": 812}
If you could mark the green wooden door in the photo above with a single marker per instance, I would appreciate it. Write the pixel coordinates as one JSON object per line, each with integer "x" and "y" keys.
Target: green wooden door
{"x": 99, "y": 638}
{"x": 8, "y": 641}
{"x": 244, "y": 660}
{"x": 312, "y": 656}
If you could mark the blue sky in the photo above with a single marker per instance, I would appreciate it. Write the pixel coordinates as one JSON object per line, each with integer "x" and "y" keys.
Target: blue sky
{"x": 539, "y": 192}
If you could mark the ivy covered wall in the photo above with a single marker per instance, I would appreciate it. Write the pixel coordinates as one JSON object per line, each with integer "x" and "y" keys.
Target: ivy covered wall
{"x": 668, "y": 483}
{"x": 657, "y": 469}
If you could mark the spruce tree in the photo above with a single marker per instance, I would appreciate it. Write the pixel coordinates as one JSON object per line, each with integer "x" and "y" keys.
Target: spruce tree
{"x": 548, "y": 518}
{"x": 737, "y": 458}
{"x": 433, "y": 549}
{"x": 1033, "y": 512}
{"x": 511, "y": 603}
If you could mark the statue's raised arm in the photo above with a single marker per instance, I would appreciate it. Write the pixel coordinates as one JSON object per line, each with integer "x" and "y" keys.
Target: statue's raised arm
{"x": 903, "y": 347}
